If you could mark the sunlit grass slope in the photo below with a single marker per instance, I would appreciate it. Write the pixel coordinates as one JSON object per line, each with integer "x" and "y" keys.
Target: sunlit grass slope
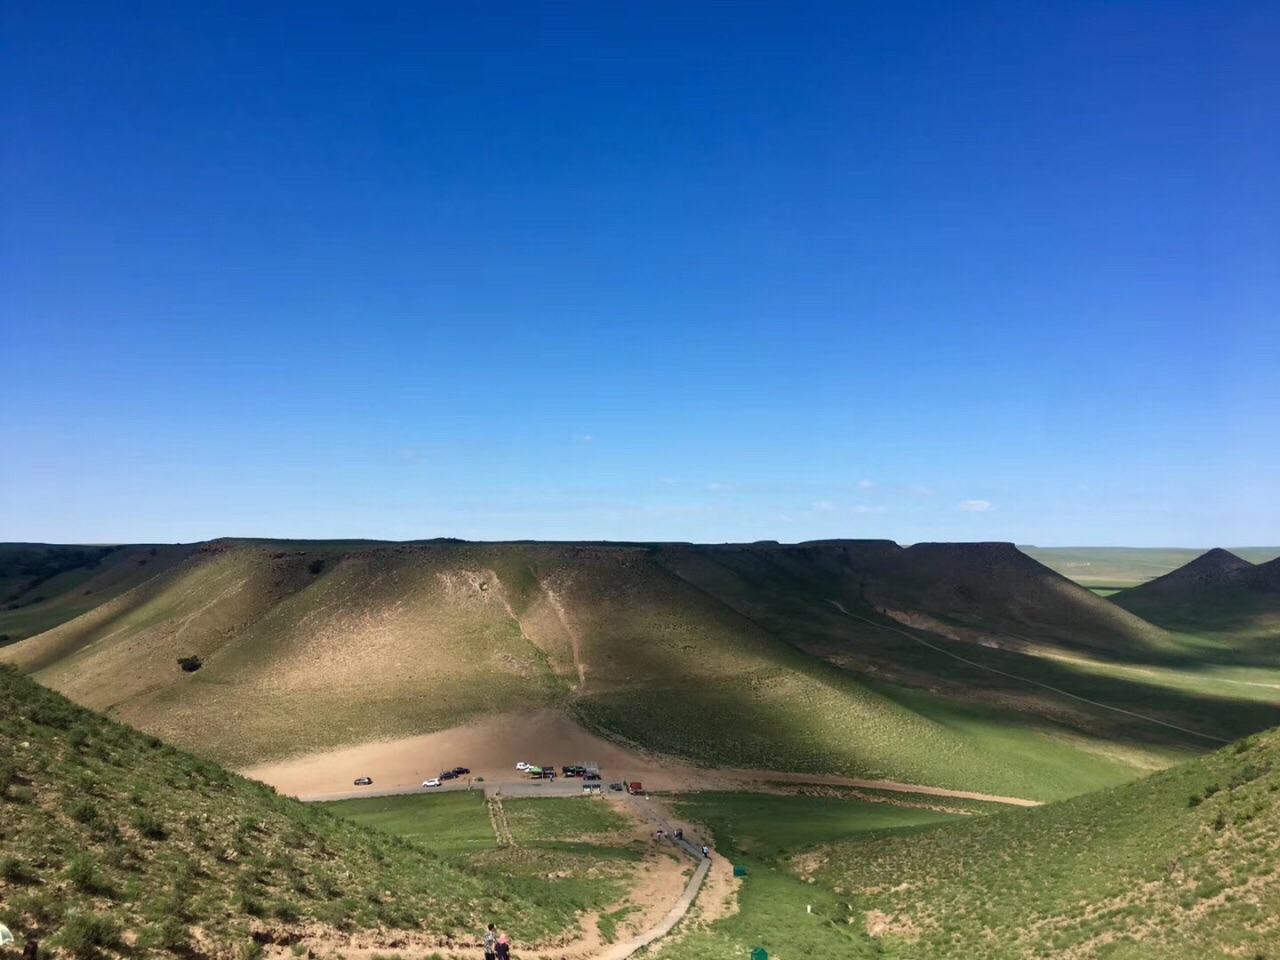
{"x": 1183, "y": 864}
{"x": 671, "y": 667}
{"x": 706, "y": 653}
{"x": 299, "y": 650}
{"x": 113, "y": 842}
{"x": 42, "y": 585}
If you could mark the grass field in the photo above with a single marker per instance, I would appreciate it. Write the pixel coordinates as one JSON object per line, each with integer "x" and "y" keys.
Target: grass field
{"x": 446, "y": 823}
{"x": 565, "y": 822}
{"x": 572, "y": 855}
{"x": 777, "y": 909}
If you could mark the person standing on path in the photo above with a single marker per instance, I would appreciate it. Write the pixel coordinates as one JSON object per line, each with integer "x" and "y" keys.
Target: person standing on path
{"x": 491, "y": 943}
{"x": 504, "y": 948}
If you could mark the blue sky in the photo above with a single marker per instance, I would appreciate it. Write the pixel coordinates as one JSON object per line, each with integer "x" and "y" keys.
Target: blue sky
{"x": 641, "y": 271}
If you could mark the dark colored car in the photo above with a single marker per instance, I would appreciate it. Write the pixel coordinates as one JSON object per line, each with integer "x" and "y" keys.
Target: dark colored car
{"x": 448, "y": 775}
{"x": 591, "y": 776}
{"x": 616, "y": 786}
{"x": 364, "y": 781}
{"x": 461, "y": 771}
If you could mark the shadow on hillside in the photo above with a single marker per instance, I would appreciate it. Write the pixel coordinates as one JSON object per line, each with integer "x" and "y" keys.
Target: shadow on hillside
{"x": 884, "y": 655}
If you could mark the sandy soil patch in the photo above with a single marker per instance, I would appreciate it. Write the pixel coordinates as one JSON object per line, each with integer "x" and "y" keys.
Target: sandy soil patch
{"x": 491, "y": 748}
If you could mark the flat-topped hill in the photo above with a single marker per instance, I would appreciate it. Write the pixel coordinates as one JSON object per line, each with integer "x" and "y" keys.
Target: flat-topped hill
{"x": 734, "y": 655}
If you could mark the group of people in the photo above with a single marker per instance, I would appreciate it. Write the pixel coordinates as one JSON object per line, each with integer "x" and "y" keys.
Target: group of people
{"x": 496, "y": 944}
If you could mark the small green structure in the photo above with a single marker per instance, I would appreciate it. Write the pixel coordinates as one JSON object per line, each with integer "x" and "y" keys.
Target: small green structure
{"x": 739, "y": 871}
{"x": 759, "y": 953}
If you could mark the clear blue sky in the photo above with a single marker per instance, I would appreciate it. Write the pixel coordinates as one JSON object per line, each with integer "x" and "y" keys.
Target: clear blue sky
{"x": 641, "y": 271}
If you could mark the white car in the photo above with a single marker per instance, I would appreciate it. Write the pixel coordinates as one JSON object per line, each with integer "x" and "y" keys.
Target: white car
{"x": 433, "y": 782}
{"x": 522, "y": 765}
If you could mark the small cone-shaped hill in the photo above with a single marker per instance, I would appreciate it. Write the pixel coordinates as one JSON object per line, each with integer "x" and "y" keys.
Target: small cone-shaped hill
{"x": 1217, "y": 566}
{"x": 1180, "y": 865}
{"x": 1218, "y": 595}
{"x": 113, "y": 843}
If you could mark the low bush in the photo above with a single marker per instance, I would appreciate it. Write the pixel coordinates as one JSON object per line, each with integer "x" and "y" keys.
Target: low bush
{"x": 85, "y": 934}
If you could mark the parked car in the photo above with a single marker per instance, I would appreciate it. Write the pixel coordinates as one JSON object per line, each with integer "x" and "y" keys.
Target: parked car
{"x": 461, "y": 771}
{"x": 433, "y": 782}
{"x": 591, "y": 776}
{"x": 363, "y": 781}
{"x": 522, "y": 765}
{"x": 616, "y": 786}
{"x": 448, "y": 775}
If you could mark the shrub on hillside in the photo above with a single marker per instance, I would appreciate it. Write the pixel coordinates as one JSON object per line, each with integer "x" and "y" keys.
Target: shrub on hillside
{"x": 149, "y": 825}
{"x": 83, "y": 874}
{"x": 13, "y": 870}
{"x": 85, "y": 934}
{"x": 190, "y": 664}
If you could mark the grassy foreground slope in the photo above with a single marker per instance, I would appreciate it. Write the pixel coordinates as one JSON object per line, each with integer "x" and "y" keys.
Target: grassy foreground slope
{"x": 1183, "y": 864}
{"x": 729, "y": 656}
{"x": 110, "y": 837}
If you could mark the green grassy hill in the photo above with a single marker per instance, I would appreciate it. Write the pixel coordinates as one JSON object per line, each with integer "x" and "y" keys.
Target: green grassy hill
{"x": 947, "y": 665}
{"x": 1220, "y": 596}
{"x": 1181, "y": 865}
{"x": 42, "y": 585}
{"x": 115, "y": 844}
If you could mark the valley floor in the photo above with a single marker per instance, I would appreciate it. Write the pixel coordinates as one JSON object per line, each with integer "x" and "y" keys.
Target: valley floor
{"x": 492, "y": 747}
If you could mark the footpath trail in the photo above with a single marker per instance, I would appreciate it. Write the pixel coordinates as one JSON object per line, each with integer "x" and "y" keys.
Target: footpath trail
{"x": 626, "y": 948}
{"x": 1013, "y": 676}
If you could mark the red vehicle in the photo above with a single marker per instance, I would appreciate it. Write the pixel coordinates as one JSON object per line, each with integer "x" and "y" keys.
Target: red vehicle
{"x": 635, "y": 786}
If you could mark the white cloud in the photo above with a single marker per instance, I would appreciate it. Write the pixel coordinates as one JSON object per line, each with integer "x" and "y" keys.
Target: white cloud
{"x": 866, "y": 484}
{"x": 721, "y": 487}
{"x": 823, "y": 506}
{"x": 975, "y": 506}
{"x": 863, "y": 508}
{"x": 583, "y": 437}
